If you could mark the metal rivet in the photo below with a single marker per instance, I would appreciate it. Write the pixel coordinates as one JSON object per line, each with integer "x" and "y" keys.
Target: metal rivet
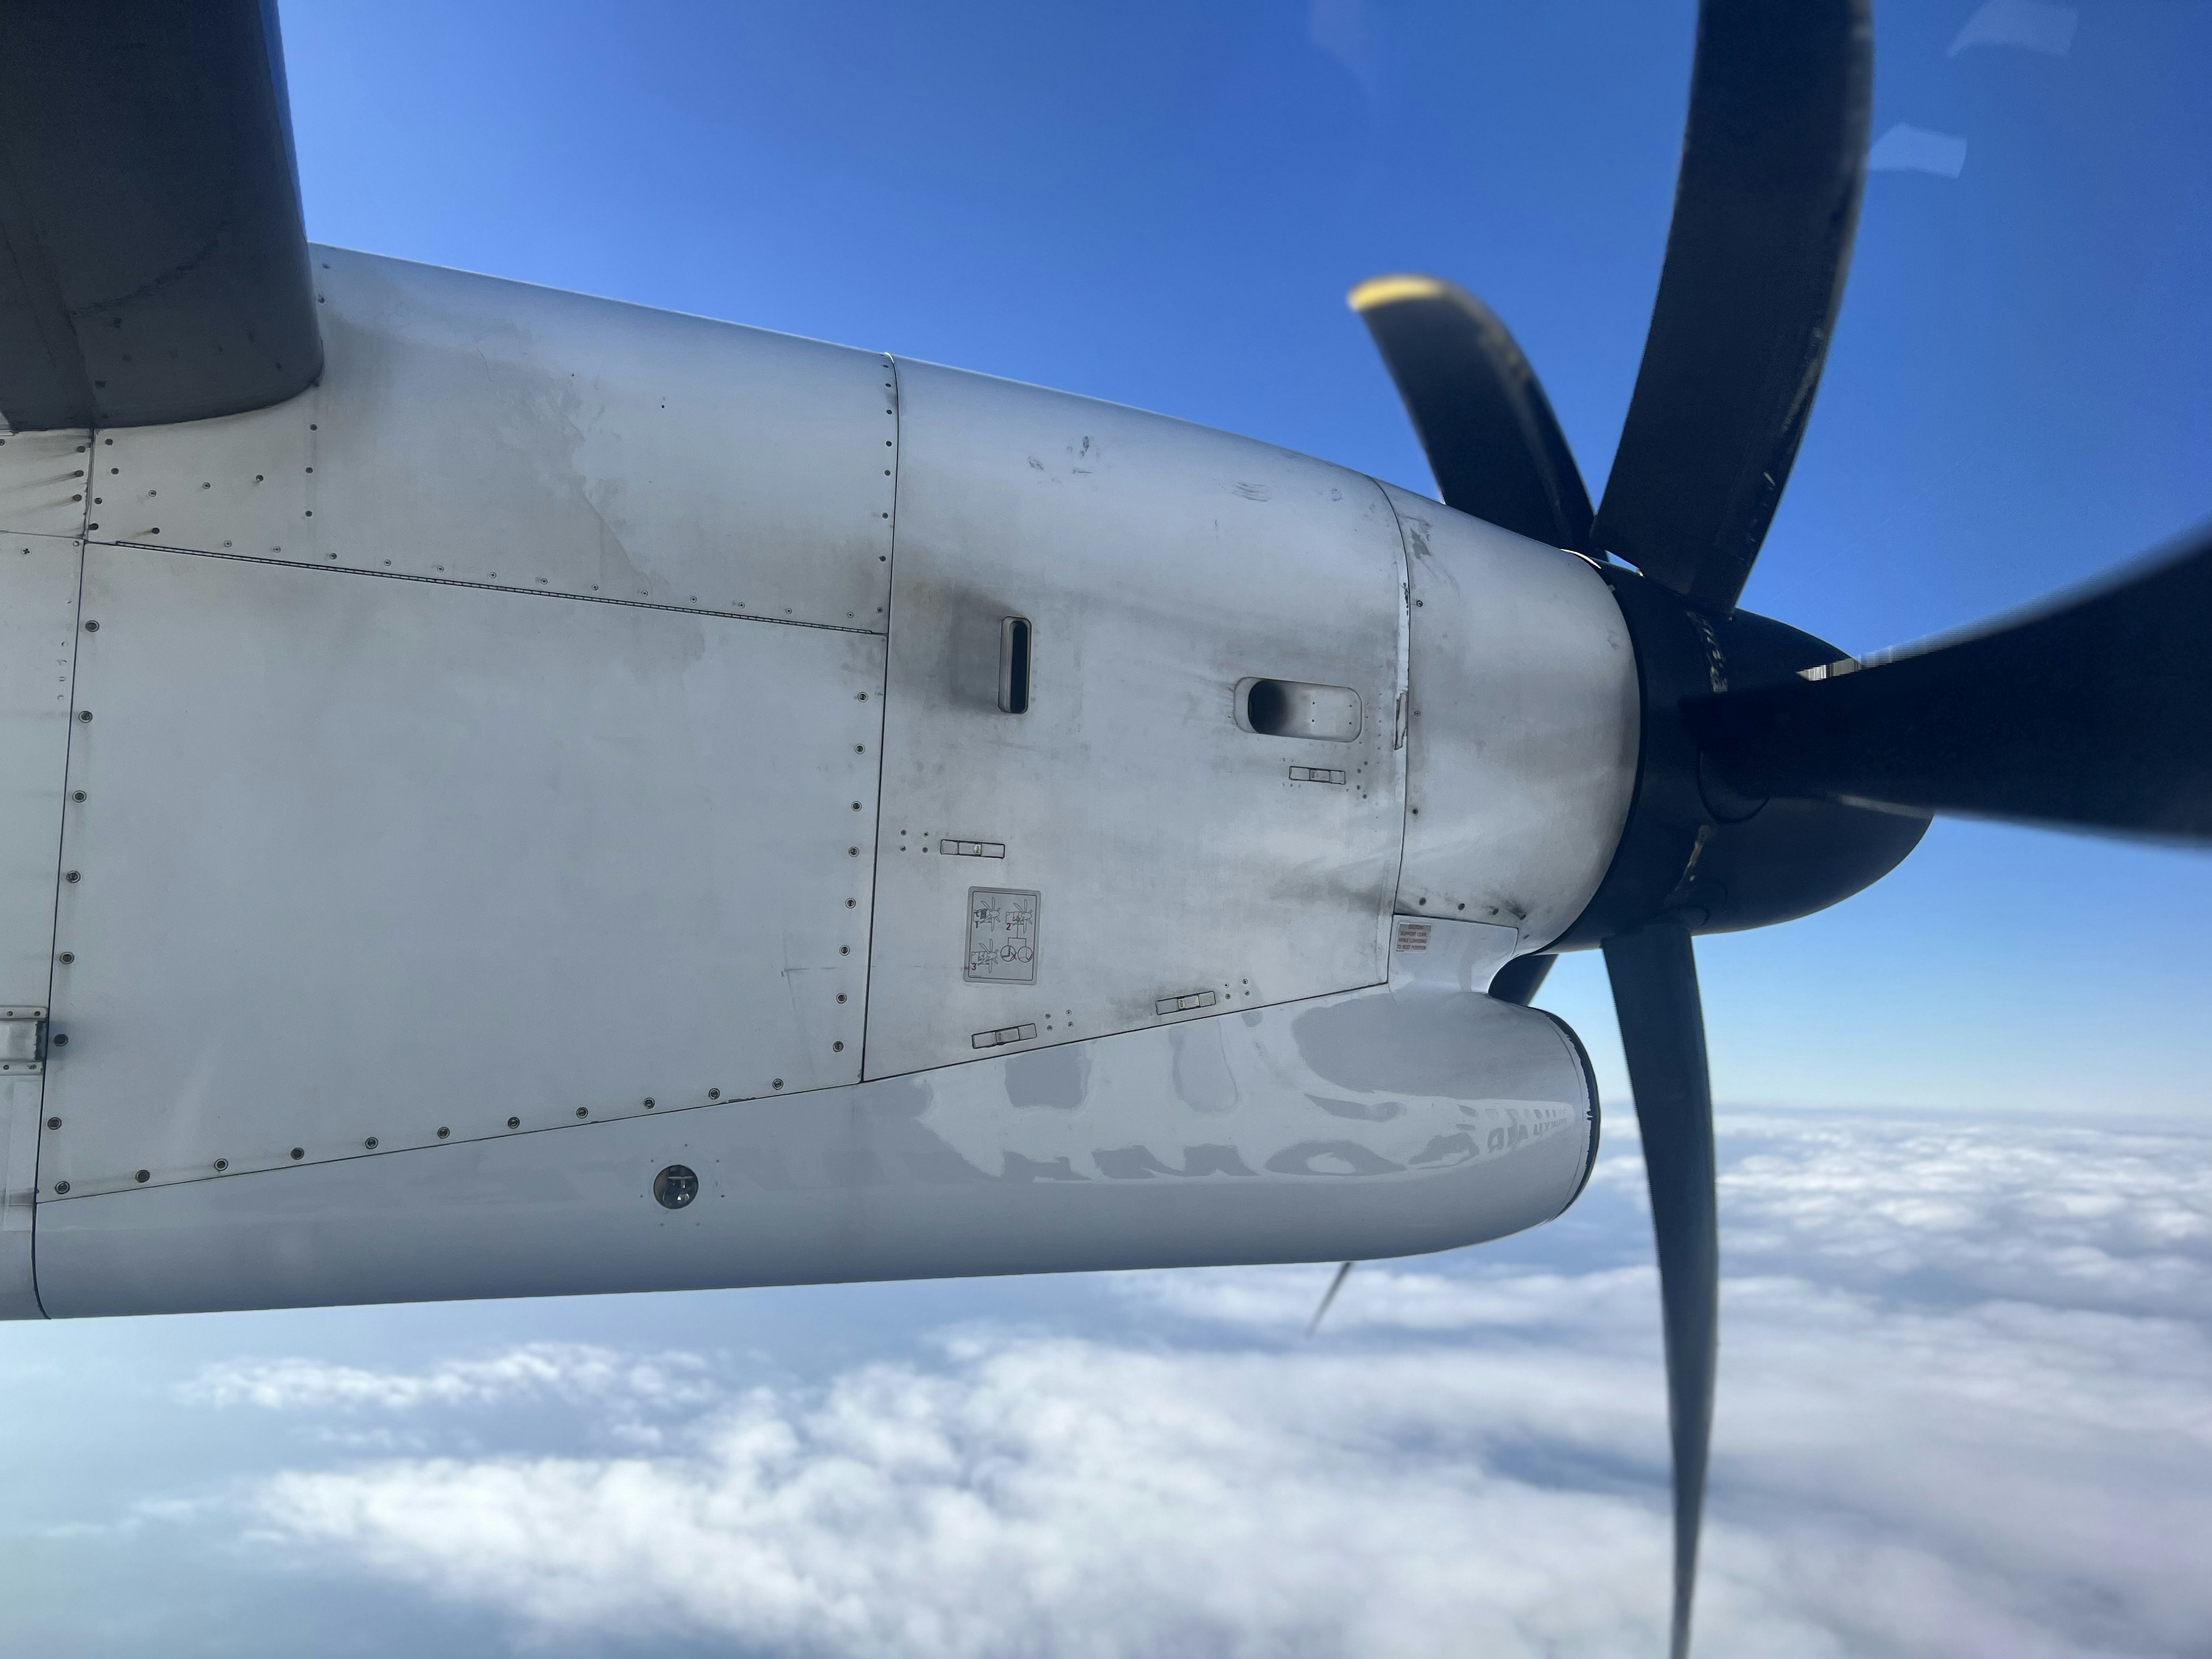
{"x": 61, "y": 1039}
{"x": 837, "y": 1047}
{"x": 370, "y": 1143}
{"x": 76, "y": 794}
{"x": 776, "y": 1083}
{"x": 92, "y": 627}
{"x": 713, "y": 1094}
{"x": 583, "y": 1111}
{"x": 844, "y": 950}
{"x": 53, "y": 1123}
{"x": 515, "y": 1123}
{"x": 143, "y": 1176}
{"x": 840, "y": 996}
{"x": 442, "y": 1133}
{"x": 221, "y": 1164}
{"x": 860, "y": 749}
{"x": 856, "y": 806}
{"x": 84, "y": 714}
{"x": 67, "y": 957}
{"x": 299, "y": 1152}
{"x": 73, "y": 877}
{"x": 852, "y": 904}
{"x": 853, "y": 851}
{"x": 648, "y": 1103}
{"x": 61, "y": 1187}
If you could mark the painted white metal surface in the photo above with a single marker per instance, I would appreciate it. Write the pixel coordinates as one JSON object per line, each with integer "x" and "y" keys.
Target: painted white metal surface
{"x": 1523, "y": 725}
{"x": 19, "y": 1176}
{"x": 38, "y": 639}
{"x": 467, "y": 429}
{"x": 42, "y": 482}
{"x": 366, "y": 863}
{"x": 1411, "y": 1118}
{"x": 1174, "y": 855}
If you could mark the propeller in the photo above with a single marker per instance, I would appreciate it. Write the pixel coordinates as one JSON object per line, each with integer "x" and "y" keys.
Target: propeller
{"x": 1765, "y": 207}
{"x": 1662, "y": 1032}
{"x": 2089, "y": 715}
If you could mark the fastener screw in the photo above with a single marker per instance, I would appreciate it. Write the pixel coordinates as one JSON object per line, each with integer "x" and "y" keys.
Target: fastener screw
{"x": 92, "y": 627}
{"x": 583, "y": 1111}
{"x": 73, "y": 877}
{"x": 370, "y": 1143}
{"x": 60, "y": 1186}
{"x": 837, "y": 1047}
{"x": 515, "y": 1123}
{"x": 76, "y": 794}
{"x": 143, "y": 1176}
{"x": 299, "y": 1152}
{"x": 67, "y": 957}
{"x": 713, "y": 1094}
{"x": 84, "y": 717}
{"x": 442, "y": 1133}
{"x": 648, "y": 1103}
{"x": 53, "y": 1123}
{"x": 221, "y": 1164}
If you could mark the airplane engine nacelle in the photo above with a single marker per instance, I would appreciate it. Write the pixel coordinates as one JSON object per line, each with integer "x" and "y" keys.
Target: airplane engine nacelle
{"x": 586, "y": 798}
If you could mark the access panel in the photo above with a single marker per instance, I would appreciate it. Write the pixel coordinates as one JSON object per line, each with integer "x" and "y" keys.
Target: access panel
{"x": 1085, "y": 828}
{"x": 353, "y": 863}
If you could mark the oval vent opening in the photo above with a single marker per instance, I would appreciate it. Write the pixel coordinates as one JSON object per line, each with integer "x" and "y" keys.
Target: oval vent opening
{"x": 1297, "y": 708}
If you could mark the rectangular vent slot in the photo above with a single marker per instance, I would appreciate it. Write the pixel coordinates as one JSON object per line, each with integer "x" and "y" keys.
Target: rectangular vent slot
{"x": 1014, "y": 665}
{"x": 1003, "y": 1035}
{"x": 1315, "y": 774}
{"x": 972, "y": 849}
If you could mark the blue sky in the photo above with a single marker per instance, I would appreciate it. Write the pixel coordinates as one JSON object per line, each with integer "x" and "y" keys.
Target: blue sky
{"x": 1164, "y": 204}
{"x": 1967, "y": 1141}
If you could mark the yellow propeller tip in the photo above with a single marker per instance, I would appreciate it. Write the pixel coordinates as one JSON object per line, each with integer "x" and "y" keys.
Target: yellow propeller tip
{"x": 1389, "y": 290}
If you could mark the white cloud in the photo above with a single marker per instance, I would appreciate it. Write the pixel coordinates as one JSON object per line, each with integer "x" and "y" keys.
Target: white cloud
{"x": 2030, "y": 24}
{"x": 1914, "y": 1454}
{"x": 557, "y": 1371}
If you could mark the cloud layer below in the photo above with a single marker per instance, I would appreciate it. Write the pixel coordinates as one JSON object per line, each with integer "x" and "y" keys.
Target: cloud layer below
{"x": 1964, "y": 1410}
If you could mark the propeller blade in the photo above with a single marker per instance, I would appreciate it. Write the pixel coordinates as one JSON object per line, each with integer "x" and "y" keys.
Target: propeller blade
{"x": 1655, "y": 993}
{"x": 1764, "y": 209}
{"x": 1327, "y": 1297}
{"x": 2090, "y": 715}
{"x": 155, "y": 263}
{"x": 1482, "y": 418}
{"x": 1519, "y": 979}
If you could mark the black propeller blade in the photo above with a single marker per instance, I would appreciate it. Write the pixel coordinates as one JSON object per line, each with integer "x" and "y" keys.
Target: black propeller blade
{"x": 1655, "y": 993}
{"x": 153, "y": 262}
{"x": 2093, "y": 715}
{"x": 1489, "y": 433}
{"x": 1519, "y": 979}
{"x": 1328, "y": 1297}
{"x": 1765, "y": 210}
